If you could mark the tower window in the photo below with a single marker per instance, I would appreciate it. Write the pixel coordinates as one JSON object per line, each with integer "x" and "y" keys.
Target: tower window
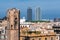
{"x": 45, "y": 38}
{"x": 15, "y": 18}
{"x": 11, "y": 26}
{"x": 15, "y": 22}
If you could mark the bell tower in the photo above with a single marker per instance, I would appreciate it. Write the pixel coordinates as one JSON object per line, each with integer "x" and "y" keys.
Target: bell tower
{"x": 13, "y": 18}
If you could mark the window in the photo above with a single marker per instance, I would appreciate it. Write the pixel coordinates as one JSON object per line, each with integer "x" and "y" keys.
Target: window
{"x": 15, "y": 18}
{"x": 27, "y": 38}
{"x": 45, "y": 38}
{"x": 51, "y": 38}
{"x": 2, "y": 31}
{"x": 39, "y": 38}
{"x": 11, "y": 26}
{"x": 32, "y": 39}
{"x": 5, "y": 29}
{"x": 15, "y": 22}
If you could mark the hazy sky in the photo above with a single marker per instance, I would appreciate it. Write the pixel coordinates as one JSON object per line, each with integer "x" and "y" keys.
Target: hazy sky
{"x": 49, "y": 8}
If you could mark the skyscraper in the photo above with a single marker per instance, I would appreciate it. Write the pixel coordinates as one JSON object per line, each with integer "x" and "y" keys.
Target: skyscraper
{"x": 37, "y": 14}
{"x": 29, "y": 14}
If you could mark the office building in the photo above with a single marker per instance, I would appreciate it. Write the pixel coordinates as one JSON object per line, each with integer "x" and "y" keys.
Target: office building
{"x": 37, "y": 14}
{"x": 56, "y": 19}
{"x": 29, "y": 14}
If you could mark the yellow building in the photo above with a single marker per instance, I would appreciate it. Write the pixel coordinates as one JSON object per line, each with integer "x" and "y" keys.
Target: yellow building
{"x": 43, "y": 34}
{"x": 36, "y": 35}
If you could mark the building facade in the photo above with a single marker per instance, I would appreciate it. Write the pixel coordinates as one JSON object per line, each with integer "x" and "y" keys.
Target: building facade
{"x": 56, "y": 28}
{"x": 37, "y": 14}
{"x": 26, "y": 34}
{"x": 3, "y": 25}
{"x": 29, "y": 14}
{"x": 13, "y": 18}
{"x": 56, "y": 19}
{"x": 37, "y": 31}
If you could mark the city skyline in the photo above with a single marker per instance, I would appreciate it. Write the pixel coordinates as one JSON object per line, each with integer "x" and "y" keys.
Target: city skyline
{"x": 49, "y": 8}
{"x": 14, "y": 28}
{"x": 17, "y": 20}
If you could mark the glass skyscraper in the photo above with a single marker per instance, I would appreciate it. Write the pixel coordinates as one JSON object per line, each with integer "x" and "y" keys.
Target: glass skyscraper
{"x": 37, "y": 14}
{"x": 29, "y": 14}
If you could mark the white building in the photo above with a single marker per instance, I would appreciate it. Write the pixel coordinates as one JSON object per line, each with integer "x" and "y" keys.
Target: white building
{"x": 3, "y": 25}
{"x": 23, "y": 23}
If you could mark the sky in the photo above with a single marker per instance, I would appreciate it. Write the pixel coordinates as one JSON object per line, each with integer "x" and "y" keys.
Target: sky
{"x": 50, "y": 9}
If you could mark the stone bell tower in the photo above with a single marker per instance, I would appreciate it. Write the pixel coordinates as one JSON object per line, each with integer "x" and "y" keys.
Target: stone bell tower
{"x": 13, "y": 18}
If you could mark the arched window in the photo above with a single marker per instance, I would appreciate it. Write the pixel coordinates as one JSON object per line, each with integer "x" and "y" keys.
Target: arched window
{"x": 39, "y": 38}
{"x": 11, "y": 26}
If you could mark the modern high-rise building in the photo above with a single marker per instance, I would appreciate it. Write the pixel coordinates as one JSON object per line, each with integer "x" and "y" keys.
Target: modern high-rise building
{"x": 13, "y": 19}
{"x": 56, "y": 19}
{"x": 29, "y": 14}
{"x": 37, "y": 14}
